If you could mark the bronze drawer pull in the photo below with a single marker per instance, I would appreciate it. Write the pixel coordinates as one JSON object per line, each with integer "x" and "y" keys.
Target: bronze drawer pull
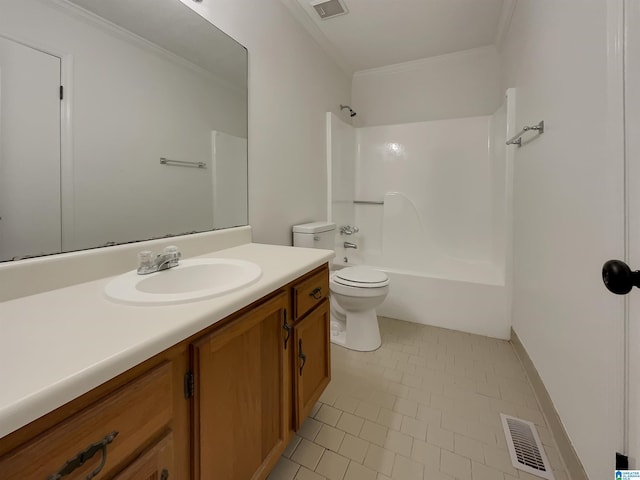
{"x": 316, "y": 293}
{"x": 81, "y": 458}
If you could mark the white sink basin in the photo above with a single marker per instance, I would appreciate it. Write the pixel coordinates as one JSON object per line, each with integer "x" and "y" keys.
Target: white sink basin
{"x": 192, "y": 280}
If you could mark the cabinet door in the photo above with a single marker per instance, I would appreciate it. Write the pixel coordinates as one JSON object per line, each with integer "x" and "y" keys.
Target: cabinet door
{"x": 312, "y": 366}
{"x": 239, "y": 423}
{"x": 155, "y": 464}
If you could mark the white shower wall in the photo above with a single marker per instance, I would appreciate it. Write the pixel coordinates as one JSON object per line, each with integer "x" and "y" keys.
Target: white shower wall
{"x": 443, "y": 170}
{"x": 438, "y": 221}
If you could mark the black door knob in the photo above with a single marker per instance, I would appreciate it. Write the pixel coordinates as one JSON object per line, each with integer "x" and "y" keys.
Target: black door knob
{"x": 618, "y": 277}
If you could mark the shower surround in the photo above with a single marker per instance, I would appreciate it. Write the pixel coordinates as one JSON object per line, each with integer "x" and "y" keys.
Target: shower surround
{"x": 437, "y": 223}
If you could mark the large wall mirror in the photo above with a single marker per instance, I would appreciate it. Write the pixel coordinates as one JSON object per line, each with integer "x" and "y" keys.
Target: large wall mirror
{"x": 147, "y": 137}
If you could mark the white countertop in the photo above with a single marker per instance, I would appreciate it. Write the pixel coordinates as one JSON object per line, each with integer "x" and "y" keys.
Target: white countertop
{"x": 58, "y": 345}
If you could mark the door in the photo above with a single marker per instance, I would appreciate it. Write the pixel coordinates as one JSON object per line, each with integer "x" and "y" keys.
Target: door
{"x": 29, "y": 151}
{"x": 632, "y": 141}
{"x": 239, "y": 425}
{"x": 312, "y": 365}
{"x": 617, "y": 274}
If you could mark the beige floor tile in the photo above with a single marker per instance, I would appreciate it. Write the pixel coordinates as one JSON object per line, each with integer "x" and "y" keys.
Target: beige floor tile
{"x": 330, "y": 395}
{"x": 407, "y": 469}
{"x": 482, "y": 433}
{"x": 315, "y": 409}
{"x": 499, "y": 459}
{"x": 355, "y": 471}
{"x": 309, "y": 429}
{"x": 306, "y": 474}
{"x": 415, "y": 428}
{"x": 350, "y": 424}
{"x": 480, "y": 471}
{"x": 420, "y": 395}
{"x": 389, "y": 419}
{"x": 455, "y": 465}
{"x": 332, "y": 466}
{"x": 454, "y": 423}
{"x": 328, "y": 415}
{"x": 399, "y": 443}
{"x": 411, "y": 380}
{"x": 374, "y": 433}
{"x": 330, "y": 438}
{"x": 468, "y": 447}
{"x": 285, "y": 469}
{"x": 354, "y": 448}
{"x": 441, "y": 438}
{"x": 379, "y": 459}
{"x": 383, "y": 399}
{"x": 307, "y": 454}
{"x": 429, "y": 414}
{"x": 451, "y": 385}
{"x": 346, "y": 403}
{"x": 368, "y": 411}
{"x": 406, "y": 407}
{"x": 293, "y": 444}
{"x": 438, "y": 475}
{"x": 427, "y": 454}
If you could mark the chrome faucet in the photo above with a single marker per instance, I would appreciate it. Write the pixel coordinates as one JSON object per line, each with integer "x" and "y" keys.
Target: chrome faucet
{"x": 147, "y": 263}
{"x": 349, "y": 245}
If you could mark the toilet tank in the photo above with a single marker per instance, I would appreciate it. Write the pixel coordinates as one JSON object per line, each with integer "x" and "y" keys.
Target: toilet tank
{"x": 314, "y": 235}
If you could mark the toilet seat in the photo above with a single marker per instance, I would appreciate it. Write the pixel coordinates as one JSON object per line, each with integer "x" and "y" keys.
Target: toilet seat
{"x": 361, "y": 277}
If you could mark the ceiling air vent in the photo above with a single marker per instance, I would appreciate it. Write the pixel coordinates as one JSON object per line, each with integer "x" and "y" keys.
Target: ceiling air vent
{"x": 525, "y": 447}
{"x": 329, "y": 8}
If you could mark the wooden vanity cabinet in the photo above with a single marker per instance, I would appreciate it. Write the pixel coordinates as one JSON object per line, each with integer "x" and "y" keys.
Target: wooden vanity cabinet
{"x": 309, "y": 365}
{"x": 134, "y": 423}
{"x": 222, "y": 404}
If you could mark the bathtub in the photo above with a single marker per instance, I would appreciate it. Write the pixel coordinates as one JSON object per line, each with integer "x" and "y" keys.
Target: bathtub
{"x": 450, "y": 293}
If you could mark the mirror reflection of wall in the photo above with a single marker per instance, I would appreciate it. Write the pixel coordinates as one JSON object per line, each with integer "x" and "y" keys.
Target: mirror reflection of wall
{"x": 84, "y": 171}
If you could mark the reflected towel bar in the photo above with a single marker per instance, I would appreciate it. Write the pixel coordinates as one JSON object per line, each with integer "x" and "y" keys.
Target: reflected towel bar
{"x": 368, "y": 202}
{"x": 517, "y": 138}
{"x": 180, "y": 163}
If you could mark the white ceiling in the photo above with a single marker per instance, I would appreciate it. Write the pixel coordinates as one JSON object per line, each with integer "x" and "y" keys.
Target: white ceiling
{"x": 377, "y": 33}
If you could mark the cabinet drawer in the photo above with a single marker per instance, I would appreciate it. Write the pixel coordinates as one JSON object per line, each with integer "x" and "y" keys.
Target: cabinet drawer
{"x": 138, "y": 411}
{"x": 310, "y": 292}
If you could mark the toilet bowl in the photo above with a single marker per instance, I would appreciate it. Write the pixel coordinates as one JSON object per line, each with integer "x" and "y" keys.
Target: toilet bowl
{"x": 355, "y": 294}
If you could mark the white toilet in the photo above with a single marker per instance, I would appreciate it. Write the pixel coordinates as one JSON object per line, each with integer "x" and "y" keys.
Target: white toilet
{"x": 355, "y": 292}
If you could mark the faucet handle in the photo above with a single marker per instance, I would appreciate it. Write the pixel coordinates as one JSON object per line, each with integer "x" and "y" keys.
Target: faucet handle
{"x": 172, "y": 254}
{"x": 145, "y": 260}
{"x": 348, "y": 230}
{"x": 172, "y": 250}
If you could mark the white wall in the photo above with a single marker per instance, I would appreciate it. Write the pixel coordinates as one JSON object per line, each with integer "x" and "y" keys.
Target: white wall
{"x": 292, "y": 84}
{"x": 462, "y": 84}
{"x": 568, "y": 218}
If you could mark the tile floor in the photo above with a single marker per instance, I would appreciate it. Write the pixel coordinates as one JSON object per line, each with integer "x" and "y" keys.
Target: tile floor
{"x": 425, "y": 405}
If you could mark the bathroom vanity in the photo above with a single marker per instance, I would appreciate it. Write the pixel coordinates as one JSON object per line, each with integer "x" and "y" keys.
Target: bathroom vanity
{"x": 210, "y": 389}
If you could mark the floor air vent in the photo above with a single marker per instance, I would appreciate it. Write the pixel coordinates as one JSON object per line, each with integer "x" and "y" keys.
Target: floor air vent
{"x": 525, "y": 447}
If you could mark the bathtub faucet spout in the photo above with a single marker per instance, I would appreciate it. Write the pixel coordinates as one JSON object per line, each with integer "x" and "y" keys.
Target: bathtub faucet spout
{"x": 350, "y": 245}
